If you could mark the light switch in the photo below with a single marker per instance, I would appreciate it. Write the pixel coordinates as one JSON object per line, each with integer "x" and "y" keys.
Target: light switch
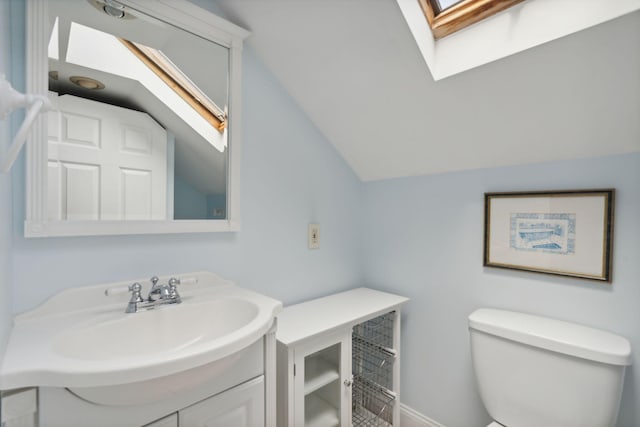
{"x": 314, "y": 236}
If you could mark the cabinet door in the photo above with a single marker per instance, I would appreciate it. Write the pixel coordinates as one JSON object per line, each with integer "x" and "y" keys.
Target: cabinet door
{"x": 322, "y": 382}
{"x": 168, "y": 421}
{"x": 241, "y": 406}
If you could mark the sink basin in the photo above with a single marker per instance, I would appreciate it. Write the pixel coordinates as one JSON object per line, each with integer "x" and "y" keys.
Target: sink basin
{"x": 167, "y": 329}
{"x": 82, "y": 340}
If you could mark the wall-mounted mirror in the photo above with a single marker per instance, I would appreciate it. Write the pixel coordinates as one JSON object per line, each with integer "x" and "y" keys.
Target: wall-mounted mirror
{"x": 144, "y": 135}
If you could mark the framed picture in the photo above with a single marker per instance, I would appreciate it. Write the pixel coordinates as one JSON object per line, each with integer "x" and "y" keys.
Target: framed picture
{"x": 568, "y": 233}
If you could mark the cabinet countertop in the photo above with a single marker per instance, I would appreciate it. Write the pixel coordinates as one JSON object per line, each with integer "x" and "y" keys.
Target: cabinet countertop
{"x": 345, "y": 309}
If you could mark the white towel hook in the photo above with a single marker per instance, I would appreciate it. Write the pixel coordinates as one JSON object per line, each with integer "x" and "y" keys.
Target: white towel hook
{"x": 11, "y": 99}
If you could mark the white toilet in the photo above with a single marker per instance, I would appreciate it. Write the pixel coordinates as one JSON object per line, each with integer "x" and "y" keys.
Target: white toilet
{"x": 533, "y": 371}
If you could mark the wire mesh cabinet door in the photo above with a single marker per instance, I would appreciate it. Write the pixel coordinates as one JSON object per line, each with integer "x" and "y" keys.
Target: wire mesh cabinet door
{"x": 375, "y": 368}
{"x": 323, "y": 381}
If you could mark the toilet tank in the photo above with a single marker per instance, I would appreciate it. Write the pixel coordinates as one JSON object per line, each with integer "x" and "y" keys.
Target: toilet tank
{"x": 533, "y": 371}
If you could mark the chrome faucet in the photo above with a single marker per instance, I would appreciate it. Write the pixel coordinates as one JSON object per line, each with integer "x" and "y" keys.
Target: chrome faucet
{"x": 158, "y": 291}
{"x": 160, "y": 294}
{"x": 167, "y": 294}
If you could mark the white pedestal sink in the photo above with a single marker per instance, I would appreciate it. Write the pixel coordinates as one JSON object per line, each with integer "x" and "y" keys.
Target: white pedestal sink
{"x": 83, "y": 341}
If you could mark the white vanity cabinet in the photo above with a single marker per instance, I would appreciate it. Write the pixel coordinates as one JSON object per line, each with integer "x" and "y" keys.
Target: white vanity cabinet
{"x": 231, "y": 393}
{"x": 242, "y": 406}
{"x": 168, "y": 421}
{"x": 338, "y": 361}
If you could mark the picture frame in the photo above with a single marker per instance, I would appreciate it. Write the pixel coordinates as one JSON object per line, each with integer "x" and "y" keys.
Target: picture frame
{"x": 566, "y": 233}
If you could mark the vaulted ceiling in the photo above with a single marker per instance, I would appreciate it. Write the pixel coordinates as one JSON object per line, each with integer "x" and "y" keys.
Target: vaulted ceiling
{"x": 354, "y": 68}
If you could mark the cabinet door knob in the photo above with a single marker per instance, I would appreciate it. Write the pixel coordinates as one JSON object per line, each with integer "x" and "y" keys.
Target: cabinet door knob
{"x": 348, "y": 382}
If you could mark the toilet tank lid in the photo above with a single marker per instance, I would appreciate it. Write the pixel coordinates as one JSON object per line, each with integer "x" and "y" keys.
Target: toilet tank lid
{"x": 555, "y": 335}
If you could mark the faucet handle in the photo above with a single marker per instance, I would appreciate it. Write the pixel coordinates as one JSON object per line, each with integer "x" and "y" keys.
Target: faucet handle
{"x": 173, "y": 286}
{"x": 173, "y": 289}
{"x": 184, "y": 280}
{"x": 174, "y": 282}
{"x": 136, "y": 298}
{"x": 135, "y": 290}
{"x": 117, "y": 290}
{"x": 154, "y": 281}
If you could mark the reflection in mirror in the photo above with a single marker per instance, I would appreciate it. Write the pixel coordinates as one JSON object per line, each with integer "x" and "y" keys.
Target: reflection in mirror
{"x": 139, "y": 129}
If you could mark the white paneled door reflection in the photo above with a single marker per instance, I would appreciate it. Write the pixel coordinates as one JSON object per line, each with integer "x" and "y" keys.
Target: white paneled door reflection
{"x": 105, "y": 162}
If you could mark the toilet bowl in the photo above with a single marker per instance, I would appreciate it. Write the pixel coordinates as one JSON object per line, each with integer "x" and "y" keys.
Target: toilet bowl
{"x": 533, "y": 371}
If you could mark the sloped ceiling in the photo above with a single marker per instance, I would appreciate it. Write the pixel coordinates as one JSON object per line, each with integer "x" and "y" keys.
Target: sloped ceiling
{"x": 354, "y": 68}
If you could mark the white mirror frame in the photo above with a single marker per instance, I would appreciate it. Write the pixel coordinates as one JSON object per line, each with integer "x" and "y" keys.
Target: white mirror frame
{"x": 181, "y": 14}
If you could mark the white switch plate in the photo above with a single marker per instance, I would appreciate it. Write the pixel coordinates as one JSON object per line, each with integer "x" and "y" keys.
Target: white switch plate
{"x": 314, "y": 236}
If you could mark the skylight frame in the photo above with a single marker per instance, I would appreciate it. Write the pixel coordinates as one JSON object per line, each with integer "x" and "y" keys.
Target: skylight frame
{"x": 460, "y": 15}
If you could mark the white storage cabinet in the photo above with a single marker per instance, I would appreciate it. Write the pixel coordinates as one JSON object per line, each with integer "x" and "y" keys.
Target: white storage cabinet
{"x": 338, "y": 361}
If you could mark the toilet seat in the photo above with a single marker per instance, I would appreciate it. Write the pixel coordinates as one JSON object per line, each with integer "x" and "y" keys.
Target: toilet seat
{"x": 495, "y": 424}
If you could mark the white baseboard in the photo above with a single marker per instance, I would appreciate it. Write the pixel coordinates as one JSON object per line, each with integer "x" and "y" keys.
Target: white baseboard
{"x": 411, "y": 418}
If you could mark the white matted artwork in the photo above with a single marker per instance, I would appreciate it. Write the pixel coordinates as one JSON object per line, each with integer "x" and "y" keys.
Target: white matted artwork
{"x": 567, "y": 233}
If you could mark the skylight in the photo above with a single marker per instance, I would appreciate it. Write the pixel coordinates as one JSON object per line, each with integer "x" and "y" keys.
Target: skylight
{"x": 446, "y": 4}
{"x": 448, "y": 16}
{"x": 517, "y": 29}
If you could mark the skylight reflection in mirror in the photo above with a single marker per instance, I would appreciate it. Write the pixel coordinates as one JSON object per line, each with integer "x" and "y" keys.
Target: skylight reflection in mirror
{"x": 94, "y": 49}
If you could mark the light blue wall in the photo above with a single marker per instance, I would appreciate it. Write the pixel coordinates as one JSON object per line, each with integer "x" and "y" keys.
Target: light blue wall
{"x": 423, "y": 238}
{"x": 291, "y": 176}
{"x": 188, "y": 203}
